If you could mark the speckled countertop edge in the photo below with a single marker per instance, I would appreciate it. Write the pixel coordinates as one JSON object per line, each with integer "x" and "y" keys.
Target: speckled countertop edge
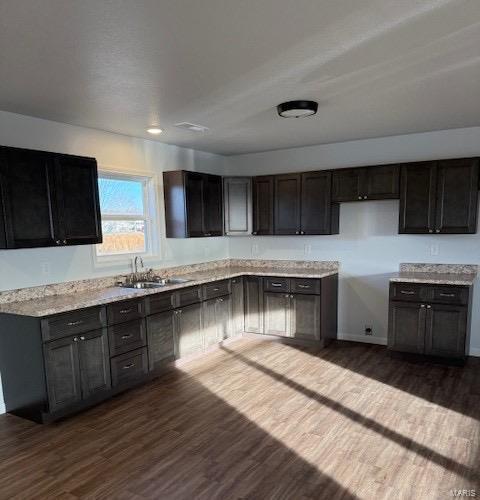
{"x": 56, "y": 304}
{"x": 437, "y": 274}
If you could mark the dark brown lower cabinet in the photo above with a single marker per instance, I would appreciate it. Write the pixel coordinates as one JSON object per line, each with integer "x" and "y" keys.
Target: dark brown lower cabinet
{"x": 253, "y": 288}
{"x": 277, "y": 313}
{"x": 216, "y": 320}
{"x": 305, "y": 316}
{"x": 188, "y": 330}
{"x": 160, "y": 337}
{"x": 424, "y": 322}
{"x": 77, "y": 368}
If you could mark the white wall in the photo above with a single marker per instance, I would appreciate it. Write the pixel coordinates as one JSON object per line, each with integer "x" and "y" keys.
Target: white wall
{"x": 22, "y": 268}
{"x": 368, "y": 246}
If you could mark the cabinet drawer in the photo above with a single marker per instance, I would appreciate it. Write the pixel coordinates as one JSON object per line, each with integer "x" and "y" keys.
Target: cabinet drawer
{"x": 408, "y": 291}
{"x": 159, "y": 303}
{"x": 74, "y": 322}
{"x": 122, "y": 312}
{"x": 276, "y": 284}
{"x": 450, "y": 295}
{"x": 308, "y": 286}
{"x": 125, "y": 337}
{"x": 187, "y": 296}
{"x": 216, "y": 289}
{"x": 129, "y": 367}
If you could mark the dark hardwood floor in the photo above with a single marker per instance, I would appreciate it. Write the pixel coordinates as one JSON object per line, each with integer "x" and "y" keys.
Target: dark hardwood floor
{"x": 262, "y": 420}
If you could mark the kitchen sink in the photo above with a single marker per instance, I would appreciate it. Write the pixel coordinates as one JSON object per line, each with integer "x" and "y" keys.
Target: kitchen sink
{"x": 158, "y": 283}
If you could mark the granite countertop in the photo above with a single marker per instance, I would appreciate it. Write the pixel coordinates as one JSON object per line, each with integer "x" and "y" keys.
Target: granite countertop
{"x": 434, "y": 278}
{"x": 55, "y": 304}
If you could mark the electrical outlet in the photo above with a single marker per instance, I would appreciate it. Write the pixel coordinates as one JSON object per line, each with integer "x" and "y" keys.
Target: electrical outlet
{"x": 254, "y": 249}
{"x": 45, "y": 268}
{"x": 368, "y": 330}
{"x": 307, "y": 249}
{"x": 434, "y": 249}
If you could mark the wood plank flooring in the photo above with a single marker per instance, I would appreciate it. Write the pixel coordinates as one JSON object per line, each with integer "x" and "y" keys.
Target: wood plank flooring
{"x": 261, "y": 420}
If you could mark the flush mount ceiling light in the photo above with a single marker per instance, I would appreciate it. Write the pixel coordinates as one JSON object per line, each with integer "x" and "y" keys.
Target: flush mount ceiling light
{"x": 154, "y": 130}
{"x": 297, "y": 109}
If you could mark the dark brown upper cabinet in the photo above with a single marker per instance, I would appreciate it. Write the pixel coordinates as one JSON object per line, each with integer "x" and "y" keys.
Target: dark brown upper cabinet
{"x": 303, "y": 204}
{"x": 48, "y": 199}
{"x": 366, "y": 183}
{"x": 439, "y": 197}
{"x": 262, "y": 195}
{"x": 193, "y": 204}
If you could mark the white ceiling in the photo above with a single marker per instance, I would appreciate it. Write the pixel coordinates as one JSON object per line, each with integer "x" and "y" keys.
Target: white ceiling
{"x": 376, "y": 67}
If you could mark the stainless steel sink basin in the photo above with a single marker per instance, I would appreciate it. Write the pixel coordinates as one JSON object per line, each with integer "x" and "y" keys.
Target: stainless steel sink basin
{"x": 158, "y": 283}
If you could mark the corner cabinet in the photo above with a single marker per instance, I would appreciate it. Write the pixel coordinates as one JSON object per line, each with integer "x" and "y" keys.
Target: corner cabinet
{"x": 439, "y": 197}
{"x": 48, "y": 199}
{"x": 193, "y": 204}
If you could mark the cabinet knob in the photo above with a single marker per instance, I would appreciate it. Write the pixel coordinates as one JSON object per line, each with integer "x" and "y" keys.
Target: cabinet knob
{"x": 58, "y": 242}
{"x": 437, "y": 231}
{"x": 422, "y": 305}
{"x": 291, "y": 296}
{"x": 429, "y": 307}
{"x": 254, "y": 232}
{"x": 430, "y": 230}
{"x": 64, "y": 242}
{"x": 286, "y": 295}
{"x": 75, "y": 339}
{"x": 359, "y": 197}
{"x": 297, "y": 232}
{"x": 302, "y": 232}
{"x": 365, "y": 197}
{"x": 82, "y": 338}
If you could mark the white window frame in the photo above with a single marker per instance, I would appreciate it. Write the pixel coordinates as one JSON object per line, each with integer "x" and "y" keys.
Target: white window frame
{"x": 152, "y": 237}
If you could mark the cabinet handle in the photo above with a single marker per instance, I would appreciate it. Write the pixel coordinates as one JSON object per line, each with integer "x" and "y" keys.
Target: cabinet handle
{"x": 287, "y": 295}
{"x": 359, "y": 197}
{"x": 125, "y": 311}
{"x": 297, "y": 232}
{"x": 276, "y": 284}
{"x": 64, "y": 242}
{"x": 422, "y": 306}
{"x": 58, "y": 242}
{"x": 126, "y": 367}
{"x": 303, "y": 286}
{"x": 291, "y": 296}
{"x": 447, "y": 294}
{"x": 302, "y": 232}
{"x": 207, "y": 234}
{"x": 365, "y": 197}
{"x": 125, "y": 337}
{"x": 430, "y": 230}
{"x": 437, "y": 230}
{"x": 220, "y": 300}
{"x": 254, "y": 232}
{"x": 82, "y": 338}
{"x": 407, "y": 292}
{"x": 429, "y": 307}
{"x": 216, "y": 289}
{"x": 75, "y": 323}
{"x": 75, "y": 339}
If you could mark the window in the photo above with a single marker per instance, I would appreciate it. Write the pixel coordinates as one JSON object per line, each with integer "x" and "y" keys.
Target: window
{"x": 126, "y": 215}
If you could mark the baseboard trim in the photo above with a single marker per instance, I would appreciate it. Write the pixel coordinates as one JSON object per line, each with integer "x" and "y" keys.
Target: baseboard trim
{"x": 366, "y": 339}
{"x": 474, "y": 351}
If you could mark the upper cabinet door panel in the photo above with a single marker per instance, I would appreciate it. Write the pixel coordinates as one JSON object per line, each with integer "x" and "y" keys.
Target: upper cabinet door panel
{"x": 237, "y": 194}
{"x": 347, "y": 184}
{"x": 417, "y": 198}
{"x": 316, "y": 203}
{"x": 27, "y": 190}
{"x": 213, "y": 206}
{"x": 194, "y": 187}
{"x": 287, "y": 204}
{"x": 457, "y": 196}
{"x": 77, "y": 200}
{"x": 382, "y": 183}
{"x": 263, "y": 204}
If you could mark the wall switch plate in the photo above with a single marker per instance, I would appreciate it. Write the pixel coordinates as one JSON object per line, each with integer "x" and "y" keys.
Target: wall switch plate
{"x": 307, "y": 249}
{"x": 434, "y": 249}
{"x": 368, "y": 330}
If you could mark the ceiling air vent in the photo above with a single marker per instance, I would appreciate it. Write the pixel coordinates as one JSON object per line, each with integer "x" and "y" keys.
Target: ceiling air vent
{"x": 191, "y": 126}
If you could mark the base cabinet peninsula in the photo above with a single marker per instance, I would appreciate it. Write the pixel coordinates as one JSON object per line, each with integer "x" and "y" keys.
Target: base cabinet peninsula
{"x": 54, "y": 365}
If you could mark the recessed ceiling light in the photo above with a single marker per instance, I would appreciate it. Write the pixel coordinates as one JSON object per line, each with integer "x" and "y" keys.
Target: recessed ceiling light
{"x": 297, "y": 109}
{"x": 154, "y": 130}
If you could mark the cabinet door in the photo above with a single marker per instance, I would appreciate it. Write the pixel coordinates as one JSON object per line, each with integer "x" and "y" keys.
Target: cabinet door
{"x": 417, "y": 198}
{"x": 27, "y": 182}
{"x": 253, "y": 287}
{"x": 457, "y": 196}
{"x": 382, "y": 183}
{"x": 237, "y": 195}
{"x": 76, "y": 189}
{"x": 194, "y": 188}
{"x": 209, "y": 321}
{"x": 305, "y": 311}
{"x": 287, "y": 204}
{"x": 223, "y": 317}
{"x": 277, "y": 314}
{"x": 63, "y": 373}
{"x": 160, "y": 339}
{"x": 446, "y": 330}
{"x": 262, "y": 189}
{"x": 94, "y": 362}
{"x": 347, "y": 184}
{"x": 238, "y": 311}
{"x": 316, "y": 201}
{"x": 213, "y": 202}
{"x": 406, "y": 327}
{"x": 189, "y": 330}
